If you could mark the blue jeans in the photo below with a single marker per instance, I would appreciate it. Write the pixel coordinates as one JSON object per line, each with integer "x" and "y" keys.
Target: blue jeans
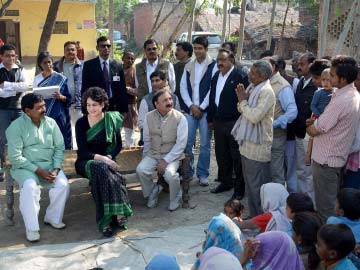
{"x": 203, "y": 163}
{"x": 6, "y": 117}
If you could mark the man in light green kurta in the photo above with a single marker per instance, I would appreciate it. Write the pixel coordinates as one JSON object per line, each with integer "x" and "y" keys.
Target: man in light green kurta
{"x": 36, "y": 151}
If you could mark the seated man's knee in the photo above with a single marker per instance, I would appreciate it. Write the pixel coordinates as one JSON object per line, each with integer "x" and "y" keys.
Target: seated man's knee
{"x": 30, "y": 185}
{"x": 170, "y": 175}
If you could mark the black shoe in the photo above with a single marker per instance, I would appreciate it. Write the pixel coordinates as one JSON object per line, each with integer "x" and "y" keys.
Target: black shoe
{"x": 220, "y": 188}
{"x": 237, "y": 196}
{"x": 108, "y": 232}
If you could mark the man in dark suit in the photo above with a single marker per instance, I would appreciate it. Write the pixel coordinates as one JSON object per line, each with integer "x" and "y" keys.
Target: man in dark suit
{"x": 221, "y": 117}
{"x": 107, "y": 74}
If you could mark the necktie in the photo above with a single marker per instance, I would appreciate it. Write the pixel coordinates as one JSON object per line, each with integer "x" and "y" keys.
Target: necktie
{"x": 106, "y": 79}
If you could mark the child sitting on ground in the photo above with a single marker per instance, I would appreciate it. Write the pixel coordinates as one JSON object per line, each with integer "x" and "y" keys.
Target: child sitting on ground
{"x": 319, "y": 102}
{"x": 163, "y": 262}
{"x": 348, "y": 212}
{"x": 334, "y": 244}
{"x": 273, "y": 201}
{"x": 305, "y": 227}
{"x": 298, "y": 202}
{"x": 234, "y": 210}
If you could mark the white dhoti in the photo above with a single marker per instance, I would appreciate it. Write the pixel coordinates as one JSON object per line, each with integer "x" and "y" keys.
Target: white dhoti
{"x": 145, "y": 170}
{"x": 30, "y": 197}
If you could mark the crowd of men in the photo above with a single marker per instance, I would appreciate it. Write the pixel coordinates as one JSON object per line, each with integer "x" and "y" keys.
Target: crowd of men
{"x": 261, "y": 117}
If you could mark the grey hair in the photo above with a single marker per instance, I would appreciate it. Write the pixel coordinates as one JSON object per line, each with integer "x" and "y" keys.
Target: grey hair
{"x": 264, "y": 67}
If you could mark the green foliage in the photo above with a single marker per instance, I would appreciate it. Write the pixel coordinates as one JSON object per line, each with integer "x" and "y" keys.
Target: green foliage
{"x": 118, "y": 54}
{"x": 123, "y": 10}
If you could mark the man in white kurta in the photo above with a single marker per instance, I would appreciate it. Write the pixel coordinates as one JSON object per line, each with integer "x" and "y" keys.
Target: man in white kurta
{"x": 36, "y": 152}
{"x": 165, "y": 138}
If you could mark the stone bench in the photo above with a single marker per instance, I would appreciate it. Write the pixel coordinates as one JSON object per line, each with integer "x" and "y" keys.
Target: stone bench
{"x": 126, "y": 159}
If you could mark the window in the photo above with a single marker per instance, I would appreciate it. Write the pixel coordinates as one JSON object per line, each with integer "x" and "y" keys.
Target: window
{"x": 60, "y": 28}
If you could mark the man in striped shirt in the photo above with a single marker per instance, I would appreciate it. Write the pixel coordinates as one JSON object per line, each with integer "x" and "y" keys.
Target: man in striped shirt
{"x": 333, "y": 133}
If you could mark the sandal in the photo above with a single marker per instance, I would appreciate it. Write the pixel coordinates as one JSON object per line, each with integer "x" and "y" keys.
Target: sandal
{"x": 108, "y": 232}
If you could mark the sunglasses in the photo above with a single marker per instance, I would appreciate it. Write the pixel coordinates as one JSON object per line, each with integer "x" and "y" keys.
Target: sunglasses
{"x": 105, "y": 46}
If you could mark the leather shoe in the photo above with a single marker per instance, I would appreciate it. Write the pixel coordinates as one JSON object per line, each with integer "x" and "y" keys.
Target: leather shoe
{"x": 220, "y": 188}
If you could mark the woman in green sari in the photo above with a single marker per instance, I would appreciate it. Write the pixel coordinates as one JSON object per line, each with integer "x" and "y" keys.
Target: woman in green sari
{"x": 99, "y": 141}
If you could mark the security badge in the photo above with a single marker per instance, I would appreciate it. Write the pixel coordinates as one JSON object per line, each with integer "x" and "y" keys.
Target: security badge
{"x": 116, "y": 78}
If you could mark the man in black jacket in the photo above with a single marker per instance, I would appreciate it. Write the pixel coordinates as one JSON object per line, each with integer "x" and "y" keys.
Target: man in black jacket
{"x": 107, "y": 74}
{"x": 222, "y": 116}
{"x": 303, "y": 97}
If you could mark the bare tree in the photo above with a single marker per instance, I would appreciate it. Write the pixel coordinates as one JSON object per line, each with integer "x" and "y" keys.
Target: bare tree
{"x": 241, "y": 30}
{"x": 271, "y": 24}
{"x": 49, "y": 25}
{"x": 111, "y": 26}
{"x": 165, "y": 18}
{"x": 4, "y": 6}
{"x": 182, "y": 21}
{"x": 225, "y": 10}
{"x": 158, "y": 15}
{"x": 282, "y": 43}
{"x": 323, "y": 27}
{"x": 192, "y": 16}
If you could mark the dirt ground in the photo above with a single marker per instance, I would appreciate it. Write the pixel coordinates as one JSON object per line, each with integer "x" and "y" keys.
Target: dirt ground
{"x": 80, "y": 213}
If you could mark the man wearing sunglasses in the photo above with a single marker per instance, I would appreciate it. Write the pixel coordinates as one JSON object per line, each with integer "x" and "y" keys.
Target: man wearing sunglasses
{"x": 107, "y": 74}
{"x": 148, "y": 65}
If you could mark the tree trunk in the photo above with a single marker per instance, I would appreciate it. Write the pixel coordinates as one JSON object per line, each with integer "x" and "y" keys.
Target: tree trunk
{"x": 49, "y": 25}
{"x": 271, "y": 24}
{"x": 229, "y": 24}
{"x": 323, "y": 27}
{"x": 192, "y": 16}
{"x": 152, "y": 33}
{"x": 241, "y": 30}
{"x": 168, "y": 48}
{"x": 4, "y": 7}
{"x": 158, "y": 15}
{"x": 345, "y": 31}
{"x": 111, "y": 27}
{"x": 225, "y": 9}
{"x": 282, "y": 43}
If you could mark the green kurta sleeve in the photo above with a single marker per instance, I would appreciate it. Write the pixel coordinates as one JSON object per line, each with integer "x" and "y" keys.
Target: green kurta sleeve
{"x": 15, "y": 148}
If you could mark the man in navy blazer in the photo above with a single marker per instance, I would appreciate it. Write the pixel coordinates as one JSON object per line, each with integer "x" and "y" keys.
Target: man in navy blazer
{"x": 221, "y": 117}
{"x": 112, "y": 80}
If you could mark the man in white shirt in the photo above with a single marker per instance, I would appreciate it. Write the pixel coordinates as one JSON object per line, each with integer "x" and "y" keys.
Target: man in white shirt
{"x": 194, "y": 90}
{"x": 165, "y": 137}
{"x": 148, "y": 65}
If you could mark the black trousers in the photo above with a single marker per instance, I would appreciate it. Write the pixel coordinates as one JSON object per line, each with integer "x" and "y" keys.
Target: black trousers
{"x": 228, "y": 156}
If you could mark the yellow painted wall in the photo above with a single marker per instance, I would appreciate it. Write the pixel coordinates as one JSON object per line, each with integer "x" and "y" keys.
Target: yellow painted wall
{"x": 32, "y": 16}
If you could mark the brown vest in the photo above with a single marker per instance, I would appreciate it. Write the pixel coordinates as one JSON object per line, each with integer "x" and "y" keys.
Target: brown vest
{"x": 143, "y": 88}
{"x": 278, "y": 83}
{"x": 163, "y": 133}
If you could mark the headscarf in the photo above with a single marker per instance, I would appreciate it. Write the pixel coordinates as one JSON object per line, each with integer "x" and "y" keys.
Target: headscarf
{"x": 163, "y": 262}
{"x": 223, "y": 233}
{"x": 273, "y": 199}
{"x": 277, "y": 251}
{"x": 219, "y": 259}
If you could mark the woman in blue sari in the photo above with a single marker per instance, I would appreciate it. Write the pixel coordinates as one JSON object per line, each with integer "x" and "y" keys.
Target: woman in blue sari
{"x": 58, "y": 106}
{"x": 99, "y": 141}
